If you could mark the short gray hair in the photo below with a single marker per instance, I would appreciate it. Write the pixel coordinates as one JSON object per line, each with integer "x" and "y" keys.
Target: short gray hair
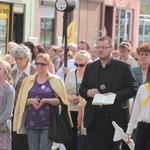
{"x": 22, "y": 51}
{"x": 71, "y": 44}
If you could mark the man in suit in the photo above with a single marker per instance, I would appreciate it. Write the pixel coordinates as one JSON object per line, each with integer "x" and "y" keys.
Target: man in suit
{"x": 106, "y": 75}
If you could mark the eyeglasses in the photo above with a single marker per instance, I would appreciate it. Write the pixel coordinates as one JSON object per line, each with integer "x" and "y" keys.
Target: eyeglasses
{"x": 41, "y": 64}
{"x": 103, "y": 47}
{"x": 80, "y": 65}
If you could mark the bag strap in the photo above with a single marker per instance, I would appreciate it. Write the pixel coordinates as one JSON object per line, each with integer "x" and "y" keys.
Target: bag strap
{"x": 77, "y": 88}
{"x": 61, "y": 102}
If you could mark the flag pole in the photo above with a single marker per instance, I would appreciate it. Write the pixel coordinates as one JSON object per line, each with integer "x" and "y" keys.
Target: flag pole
{"x": 65, "y": 6}
{"x": 65, "y": 39}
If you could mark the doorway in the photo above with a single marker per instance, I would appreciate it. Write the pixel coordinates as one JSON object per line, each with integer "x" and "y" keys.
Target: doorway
{"x": 109, "y": 20}
{"x": 18, "y": 28}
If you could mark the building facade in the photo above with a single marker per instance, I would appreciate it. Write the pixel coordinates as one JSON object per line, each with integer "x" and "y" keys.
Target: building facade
{"x": 16, "y": 22}
{"x": 116, "y": 18}
{"x": 144, "y": 22}
{"x": 40, "y": 22}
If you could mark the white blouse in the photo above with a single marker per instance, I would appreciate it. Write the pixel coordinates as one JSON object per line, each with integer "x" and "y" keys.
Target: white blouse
{"x": 70, "y": 84}
{"x": 140, "y": 112}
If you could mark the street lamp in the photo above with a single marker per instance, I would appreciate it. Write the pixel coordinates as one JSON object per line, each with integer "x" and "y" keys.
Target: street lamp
{"x": 65, "y": 6}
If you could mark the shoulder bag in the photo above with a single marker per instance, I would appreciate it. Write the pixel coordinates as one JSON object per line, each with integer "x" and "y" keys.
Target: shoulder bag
{"x": 60, "y": 127}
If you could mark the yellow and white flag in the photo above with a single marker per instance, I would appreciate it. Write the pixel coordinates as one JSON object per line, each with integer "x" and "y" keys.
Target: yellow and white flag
{"x": 70, "y": 33}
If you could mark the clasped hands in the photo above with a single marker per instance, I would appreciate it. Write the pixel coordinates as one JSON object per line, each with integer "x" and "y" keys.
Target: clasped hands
{"x": 37, "y": 103}
{"x": 74, "y": 99}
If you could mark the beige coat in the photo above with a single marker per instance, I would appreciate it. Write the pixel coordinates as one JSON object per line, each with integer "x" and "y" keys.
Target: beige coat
{"x": 21, "y": 105}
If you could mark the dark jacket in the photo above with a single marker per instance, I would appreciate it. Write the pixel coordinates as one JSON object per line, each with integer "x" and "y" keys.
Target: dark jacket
{"x": 121, "y": 82}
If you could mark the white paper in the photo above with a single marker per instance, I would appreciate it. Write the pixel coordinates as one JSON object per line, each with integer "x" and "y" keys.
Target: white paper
{"x": 101, "y": 99}
{"x": 119, "y": 134}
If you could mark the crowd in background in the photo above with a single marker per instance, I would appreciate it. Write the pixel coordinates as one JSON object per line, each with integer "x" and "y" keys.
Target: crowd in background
{"x": 36, "y": 78}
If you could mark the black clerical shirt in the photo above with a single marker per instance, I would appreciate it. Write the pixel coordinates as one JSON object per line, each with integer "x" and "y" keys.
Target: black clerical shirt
{"x": 104, "y": 74}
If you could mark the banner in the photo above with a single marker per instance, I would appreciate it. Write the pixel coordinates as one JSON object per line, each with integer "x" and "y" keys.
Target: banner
{"x": 70, "y": 33}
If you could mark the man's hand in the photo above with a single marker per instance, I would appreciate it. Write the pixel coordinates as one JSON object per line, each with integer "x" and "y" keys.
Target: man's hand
{"x": 110, "y": 93}
{"x": 92, "y": 92}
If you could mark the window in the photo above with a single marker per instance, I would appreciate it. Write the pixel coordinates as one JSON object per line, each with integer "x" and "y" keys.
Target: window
{"x": 47, "y": 25}
{"x": 144, "y": 29}
{"x": 123, "y": 26}
{"x": 47, "y": 32}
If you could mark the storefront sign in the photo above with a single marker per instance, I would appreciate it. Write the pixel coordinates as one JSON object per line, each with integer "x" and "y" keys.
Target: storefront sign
{"x": 4, "y": 27}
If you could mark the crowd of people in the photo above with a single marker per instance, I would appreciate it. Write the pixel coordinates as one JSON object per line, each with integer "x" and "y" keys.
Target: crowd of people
{"x": 33, "y": 78}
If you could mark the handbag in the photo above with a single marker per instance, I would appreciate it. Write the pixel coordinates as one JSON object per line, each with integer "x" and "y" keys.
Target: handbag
{"x": 60, "y": 127}
{"x": 3, "y": 128}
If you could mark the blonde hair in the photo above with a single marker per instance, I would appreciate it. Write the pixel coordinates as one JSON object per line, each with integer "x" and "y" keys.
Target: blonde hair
{"x": 7, "y": 69}
{"x": 9, "y": 59}
{"x": 83, "y": 55}
{"x": 45, "y": 56}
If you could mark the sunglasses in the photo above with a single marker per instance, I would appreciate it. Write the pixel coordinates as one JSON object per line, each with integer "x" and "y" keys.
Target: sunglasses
{"x": 41, "y": 64}
{"x": 80, "y": 65}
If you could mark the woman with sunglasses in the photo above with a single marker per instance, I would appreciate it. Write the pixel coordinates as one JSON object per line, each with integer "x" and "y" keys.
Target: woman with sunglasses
{"x": 72, "y": 83}
{"x": 33, "y": 112}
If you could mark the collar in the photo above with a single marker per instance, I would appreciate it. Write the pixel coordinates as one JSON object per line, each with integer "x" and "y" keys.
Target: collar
{"x": 108, "y": 63}
{"x": 56, "y": 59}
{"x": 26, "y": 70}
{"x": 95, "y": 59}
{"x": 129, "y": 58}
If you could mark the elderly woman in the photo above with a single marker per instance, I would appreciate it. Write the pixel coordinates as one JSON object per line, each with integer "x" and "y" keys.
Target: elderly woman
{"x": 33, "y": 111}
{"x": 20, "y": 71}
{"x": 140, "y": 72}
{"x": 72, "y": 83}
